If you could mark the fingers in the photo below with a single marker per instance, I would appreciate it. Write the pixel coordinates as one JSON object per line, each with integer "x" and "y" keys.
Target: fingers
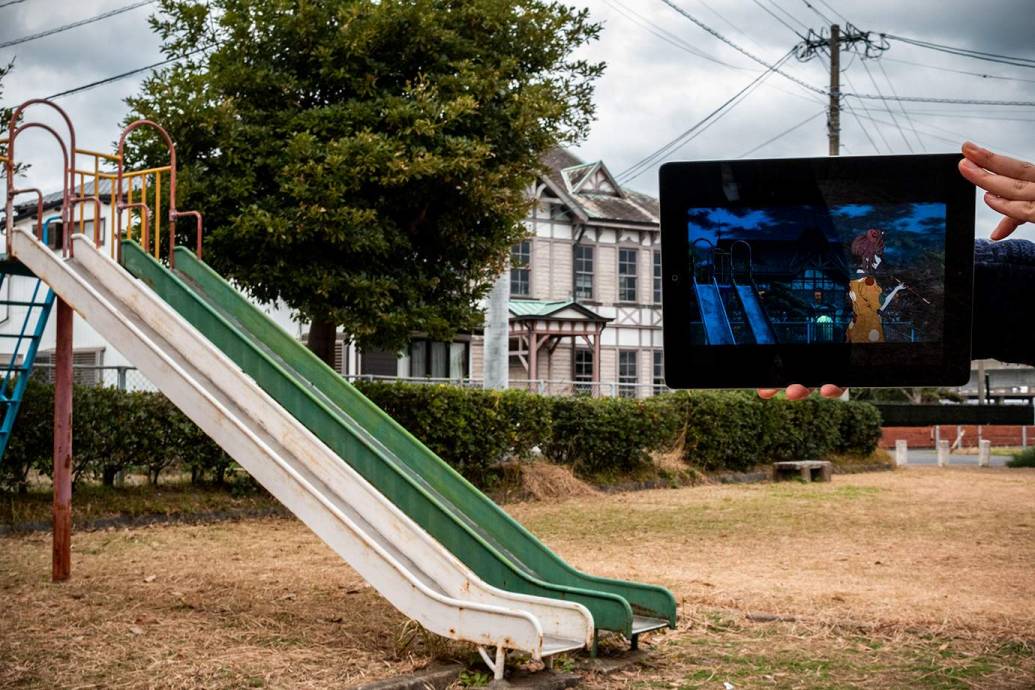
{"x": 1000, "y": 185}
{"x": 831, "y": 391}
{"x": 998, "y": 163}
{"x": 1005, "y": 228}
{"x": 1020, "y": 211}
{"x": 796, "y": 391}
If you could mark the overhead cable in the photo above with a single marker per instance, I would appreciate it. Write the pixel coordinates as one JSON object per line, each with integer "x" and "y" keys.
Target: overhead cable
{"x": 74, "y": 25}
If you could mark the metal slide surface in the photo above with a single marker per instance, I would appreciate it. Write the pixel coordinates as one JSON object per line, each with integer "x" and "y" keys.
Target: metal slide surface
{"x": 756, "y": 317}
{"x": 394, "y": 554}
{"x": 456, "y": 513}
{"x": 716, "y": 324}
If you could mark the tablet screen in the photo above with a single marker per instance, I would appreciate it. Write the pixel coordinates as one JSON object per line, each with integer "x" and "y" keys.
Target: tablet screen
{"x": 804, "y": 274}
{"x": 851, "y": 270}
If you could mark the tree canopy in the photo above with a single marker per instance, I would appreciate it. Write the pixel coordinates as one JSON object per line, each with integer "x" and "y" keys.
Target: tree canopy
{"x": 367, "y": 161}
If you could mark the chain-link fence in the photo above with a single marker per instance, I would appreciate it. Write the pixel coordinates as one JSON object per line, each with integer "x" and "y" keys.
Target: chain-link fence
{"x": 125, "y": 378}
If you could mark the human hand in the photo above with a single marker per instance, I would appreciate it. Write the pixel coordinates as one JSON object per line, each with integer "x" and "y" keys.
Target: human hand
{"x": 1009, "y": 186}
{"x": 796, "y": 391}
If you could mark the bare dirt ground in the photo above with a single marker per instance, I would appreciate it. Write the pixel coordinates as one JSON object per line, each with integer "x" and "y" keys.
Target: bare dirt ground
{"x": 917, "y": 578}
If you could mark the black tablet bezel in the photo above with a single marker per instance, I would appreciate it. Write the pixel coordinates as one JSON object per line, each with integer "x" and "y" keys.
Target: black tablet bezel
{"x": 823, "y": 182}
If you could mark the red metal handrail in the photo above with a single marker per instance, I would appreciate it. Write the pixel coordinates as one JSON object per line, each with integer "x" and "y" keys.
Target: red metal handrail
{"x": 174, "y": 213}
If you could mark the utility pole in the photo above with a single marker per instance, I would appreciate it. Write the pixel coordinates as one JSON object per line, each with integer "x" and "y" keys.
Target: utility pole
{"x": 865, "y": 44}
{"x": 834, "y": 116}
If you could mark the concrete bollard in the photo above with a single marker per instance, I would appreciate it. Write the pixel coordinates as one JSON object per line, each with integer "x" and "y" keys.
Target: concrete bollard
{"x": 943, "y": 452}
{"x": 984, "y": 453}
{"x": 901, "y": 452}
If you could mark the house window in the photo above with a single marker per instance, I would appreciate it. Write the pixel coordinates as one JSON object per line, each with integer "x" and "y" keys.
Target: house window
{"x": 520, "y": 271}
{"x": 438, "y": 360}
{"x": 583, "y": 371}
{"x": 659, "y": 371}
{"x": 583, "y": 272}
{"x": 627, "y": 378}
{"x": 657, "y": 277}
{"x": 627, "y": 275}
{"x": 813, "y": 286}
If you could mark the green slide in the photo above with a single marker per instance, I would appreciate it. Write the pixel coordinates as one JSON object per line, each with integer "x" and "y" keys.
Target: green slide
{"x": 434, "y": 495}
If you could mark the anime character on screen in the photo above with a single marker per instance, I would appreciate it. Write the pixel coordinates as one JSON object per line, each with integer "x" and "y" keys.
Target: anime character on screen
{"x": 865, "y": 292}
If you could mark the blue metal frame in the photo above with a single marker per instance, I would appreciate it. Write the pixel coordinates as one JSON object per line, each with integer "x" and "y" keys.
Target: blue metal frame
{"x": 16, "y": 376}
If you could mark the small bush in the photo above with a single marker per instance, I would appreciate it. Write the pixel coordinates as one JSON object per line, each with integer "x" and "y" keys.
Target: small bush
{"x": 609, "y": 435}
{"x": 1026, "y": 458}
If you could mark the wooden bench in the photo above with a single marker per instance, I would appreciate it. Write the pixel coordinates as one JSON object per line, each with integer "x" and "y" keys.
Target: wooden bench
{"x": 806, "y": 470}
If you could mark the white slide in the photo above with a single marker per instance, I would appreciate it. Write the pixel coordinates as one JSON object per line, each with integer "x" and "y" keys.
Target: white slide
{"x": 395, "y": 555}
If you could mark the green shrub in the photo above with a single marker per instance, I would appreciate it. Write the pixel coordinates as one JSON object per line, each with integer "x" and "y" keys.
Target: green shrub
{"x": 609, "y": 435}
{"x": 737, "y": 430}
{"x": 471, "y": 429}
{"x": 113, "y": 431}
{"x": 1026, "y": 458}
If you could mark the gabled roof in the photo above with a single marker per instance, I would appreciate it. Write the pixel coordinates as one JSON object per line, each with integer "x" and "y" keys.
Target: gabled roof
{"x": 27, "y": 202}
{"x": 592, "y": 192}
{"x": 553, "y": 309}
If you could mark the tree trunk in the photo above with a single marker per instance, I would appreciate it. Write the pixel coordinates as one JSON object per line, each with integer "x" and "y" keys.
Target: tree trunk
{"x": 108, "y": 475}
{"x": 322, "y": 335}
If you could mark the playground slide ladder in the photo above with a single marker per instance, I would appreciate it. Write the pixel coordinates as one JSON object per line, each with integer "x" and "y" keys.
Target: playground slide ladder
{"x": 477, "y": 531}
{"x": 391, "y": 551}
{"x": 18, "y": 368}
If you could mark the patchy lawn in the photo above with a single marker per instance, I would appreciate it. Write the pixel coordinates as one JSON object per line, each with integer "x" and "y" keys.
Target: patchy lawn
{"x": 916, "y": 578}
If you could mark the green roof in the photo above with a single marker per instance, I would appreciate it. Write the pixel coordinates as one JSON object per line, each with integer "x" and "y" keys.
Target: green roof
{"x": 534, "y": 308}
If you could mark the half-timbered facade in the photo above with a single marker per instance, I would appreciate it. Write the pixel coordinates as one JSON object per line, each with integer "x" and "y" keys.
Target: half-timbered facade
{"x": 594, "y": 247}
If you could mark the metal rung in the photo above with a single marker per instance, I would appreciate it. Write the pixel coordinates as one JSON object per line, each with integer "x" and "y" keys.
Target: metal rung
{"x": 22, "y": 303}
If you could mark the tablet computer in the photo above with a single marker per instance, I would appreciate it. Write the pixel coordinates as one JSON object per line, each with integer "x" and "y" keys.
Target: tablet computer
{"x": 856, "y": 271}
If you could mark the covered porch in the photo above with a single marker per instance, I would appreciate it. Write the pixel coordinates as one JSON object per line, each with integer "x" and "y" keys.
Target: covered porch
{"x": 538, "y": 327}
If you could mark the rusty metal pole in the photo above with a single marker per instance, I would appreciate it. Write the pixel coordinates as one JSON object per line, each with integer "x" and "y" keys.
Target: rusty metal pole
{"x": 62, "y": 555}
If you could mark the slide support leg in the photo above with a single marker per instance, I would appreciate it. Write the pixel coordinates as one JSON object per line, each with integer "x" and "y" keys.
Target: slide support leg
{"x": 61, "y": 564}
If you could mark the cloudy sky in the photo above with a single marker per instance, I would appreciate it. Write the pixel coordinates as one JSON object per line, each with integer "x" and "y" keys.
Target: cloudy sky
{"x": 659, "y": 79}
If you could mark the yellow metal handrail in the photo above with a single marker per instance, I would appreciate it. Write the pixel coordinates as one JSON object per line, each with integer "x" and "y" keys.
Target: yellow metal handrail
{"x": 140, "y": 193}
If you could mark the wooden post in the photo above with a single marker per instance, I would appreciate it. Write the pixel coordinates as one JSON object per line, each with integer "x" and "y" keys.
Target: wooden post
{"x": 62, "y": 513}
{"x": 533, "y": 361}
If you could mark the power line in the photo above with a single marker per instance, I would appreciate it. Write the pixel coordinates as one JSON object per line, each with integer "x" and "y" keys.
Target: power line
{"x": 850, "y": 109}
{"x": 73, "y": 25}
{"x": 824, "y": 92}
{"x": 789, "y": 15}
{"x": 117, "y": 77}
{"x": 743, "y": 51}
{"x": 867, "y": 110}
{"x": 841, "y": 16}
{"x": 965, "y": 52}
{"x": 778, "y": 18}
{"x": 821, "y": 15}
{"x": 887, "y": 107}
{"x": 900, "y": 106}
{"x": 645, "y": 163}
{"x": 665, "y": 35}
{"x": 10, "y": 2}
{"x": 782, "y": 134}
{"x": 983, "y": 75}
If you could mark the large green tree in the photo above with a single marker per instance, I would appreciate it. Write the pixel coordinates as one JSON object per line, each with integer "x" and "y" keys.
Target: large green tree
{"x": 367, "y": 161}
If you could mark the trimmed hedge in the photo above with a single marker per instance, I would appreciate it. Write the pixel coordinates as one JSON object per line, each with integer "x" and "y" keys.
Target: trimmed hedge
{"x": 609, "y": 435}
{"x": 472, "y": 429}
{"x": 113, "y": 431}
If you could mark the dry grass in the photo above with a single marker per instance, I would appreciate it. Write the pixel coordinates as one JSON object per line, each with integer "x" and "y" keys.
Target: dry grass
{"x": 917, "y": 578}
